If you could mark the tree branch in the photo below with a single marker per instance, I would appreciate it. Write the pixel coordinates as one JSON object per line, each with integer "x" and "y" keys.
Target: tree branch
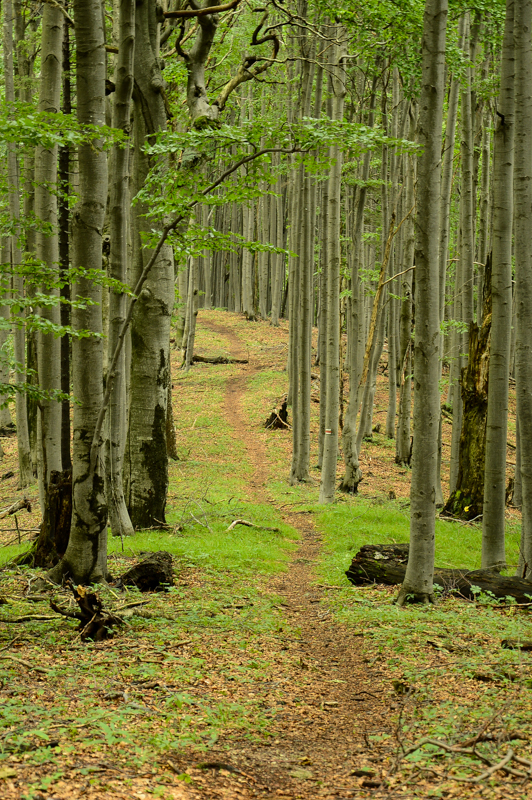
{"x": 200, "y": 12}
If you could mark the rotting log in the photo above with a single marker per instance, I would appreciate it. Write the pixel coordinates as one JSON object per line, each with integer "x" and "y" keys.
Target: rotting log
{"x": 218, "y": 360}
{"x": 386, "y": 564}
{"x": 153, "y": 574}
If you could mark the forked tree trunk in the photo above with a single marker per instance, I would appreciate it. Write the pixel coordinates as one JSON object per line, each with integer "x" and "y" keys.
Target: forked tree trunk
{"x": 493, "y": 523}
{"x": 418, "y": 581}
{"x": 85, "y": 559}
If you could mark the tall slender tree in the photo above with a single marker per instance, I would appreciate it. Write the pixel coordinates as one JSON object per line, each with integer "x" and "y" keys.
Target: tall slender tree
{"x": 85, "y": 559}
{"x": 493, "y": 524}
{"x": 418, "y": 581}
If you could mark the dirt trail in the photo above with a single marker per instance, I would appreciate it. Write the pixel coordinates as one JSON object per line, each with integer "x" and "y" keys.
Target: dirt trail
{"x": 333, "y": 699}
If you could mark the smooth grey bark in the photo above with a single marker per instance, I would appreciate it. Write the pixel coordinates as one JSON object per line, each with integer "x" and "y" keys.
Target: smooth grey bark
{"x": 355, "y": 327}
{"x": 85, "y": 560}
{"x": 5, "y": 259}
{"x": 523, "y": 261}
{"x": 465, "y": 282}
{"x": 47, "y": 250}
{"x": 418, "y": 581}
{"x": 392, "y": 321}
{"x": 402, "y": 446}
{"x": 493, "y": 525}
{"x": 302, "y": 243}
{"x": 447, "y": 171}
{"x": 518, "y": 494}
{"x": 331, "y": 374}
{"x": 13, "y": 187}
{"x": 277, "y": 259}
{"x": 118, "y": 267}
{"x": 146, "y": 461}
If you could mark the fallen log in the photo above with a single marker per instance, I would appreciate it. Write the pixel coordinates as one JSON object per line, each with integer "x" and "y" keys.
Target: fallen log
{"x": 386, "y": 564}
{"x": 154, "y": 574}
{"x": 18, "y": 506}
{"x": 218, "y": 360}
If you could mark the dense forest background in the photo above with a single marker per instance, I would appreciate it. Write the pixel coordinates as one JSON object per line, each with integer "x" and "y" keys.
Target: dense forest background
{"x": 350, "y": 169}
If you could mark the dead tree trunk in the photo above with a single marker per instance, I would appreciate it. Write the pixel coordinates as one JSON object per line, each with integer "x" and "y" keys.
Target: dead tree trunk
{"x": 466, "y": 501}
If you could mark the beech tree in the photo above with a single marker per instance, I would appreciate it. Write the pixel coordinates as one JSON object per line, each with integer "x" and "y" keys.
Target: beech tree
{"x": 85, "y": 559}
{"x": 418, "y": 581}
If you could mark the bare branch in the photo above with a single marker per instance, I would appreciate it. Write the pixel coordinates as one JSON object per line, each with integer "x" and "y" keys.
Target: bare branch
{"x": 200, "y": 12}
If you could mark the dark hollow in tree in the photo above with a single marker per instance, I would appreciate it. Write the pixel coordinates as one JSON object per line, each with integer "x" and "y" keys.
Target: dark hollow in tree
{"x": 386, "y": 564}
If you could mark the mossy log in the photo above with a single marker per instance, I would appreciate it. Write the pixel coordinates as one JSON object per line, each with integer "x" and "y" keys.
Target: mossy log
{"x": 386, "y": 564}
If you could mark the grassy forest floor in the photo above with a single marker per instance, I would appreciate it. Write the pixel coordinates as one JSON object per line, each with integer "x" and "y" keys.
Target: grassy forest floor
{"x": 262, "y": 673}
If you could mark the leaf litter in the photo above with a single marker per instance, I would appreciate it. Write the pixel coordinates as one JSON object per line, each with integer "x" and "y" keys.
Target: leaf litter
{"x": 240, "y": 685}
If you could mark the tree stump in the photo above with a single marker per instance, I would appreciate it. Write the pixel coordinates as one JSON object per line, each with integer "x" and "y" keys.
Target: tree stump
{"x": 386, "y": 564}
{"x": 154, "y": 574}
{"x": 278, "y": 419}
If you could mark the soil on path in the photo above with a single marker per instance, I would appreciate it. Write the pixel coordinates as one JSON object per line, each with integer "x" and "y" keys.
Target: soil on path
{"x": 333, "y": 699}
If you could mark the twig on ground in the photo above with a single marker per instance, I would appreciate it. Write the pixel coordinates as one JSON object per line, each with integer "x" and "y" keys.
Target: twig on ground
{"x": 24, "y": 663}
{"x": 248, "y": 524}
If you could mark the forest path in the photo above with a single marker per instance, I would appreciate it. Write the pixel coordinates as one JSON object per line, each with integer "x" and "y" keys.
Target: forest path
{"x": 332, "y": 699}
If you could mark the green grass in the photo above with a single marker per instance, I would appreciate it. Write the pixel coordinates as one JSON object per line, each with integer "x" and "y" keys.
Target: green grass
{"x": 214, "y": 548}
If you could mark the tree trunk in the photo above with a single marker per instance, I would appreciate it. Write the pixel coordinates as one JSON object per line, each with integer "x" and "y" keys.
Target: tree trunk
{"x": 418, "y": 580}
{"x": 466, "y": 500}
{"x": 493, "y": 523}
{"x": 146, "y": 468}
{"x": 85, "y": 559}
{"x": 523, "y": 260}
{"x": 331, "y": 373}
{"x": 47, "y": 249}
{"x": 118, "y": 269}
{"x": 23, "y": 441}
{"x": 352, "y": 474}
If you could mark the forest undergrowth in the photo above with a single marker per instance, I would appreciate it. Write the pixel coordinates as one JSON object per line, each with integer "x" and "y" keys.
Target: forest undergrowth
{"x": 262, "y": 672}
